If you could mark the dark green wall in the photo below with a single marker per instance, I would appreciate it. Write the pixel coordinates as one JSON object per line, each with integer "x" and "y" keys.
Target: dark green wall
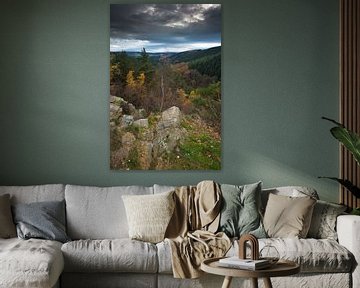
{"x": 280, "y": 75}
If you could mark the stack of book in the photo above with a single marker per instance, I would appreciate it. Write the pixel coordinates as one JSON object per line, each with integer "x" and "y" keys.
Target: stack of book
{"x": 248, "y": 264}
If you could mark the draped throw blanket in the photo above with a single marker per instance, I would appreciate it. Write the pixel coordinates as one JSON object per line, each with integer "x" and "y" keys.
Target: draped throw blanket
{"x": 191, "y": 231}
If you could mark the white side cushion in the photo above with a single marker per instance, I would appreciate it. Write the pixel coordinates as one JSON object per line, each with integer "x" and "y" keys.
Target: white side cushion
{"x": 348, "y": 230}
{"x": 30, "y": 263}
{"x": 98, "y": 213}
{"x": 117, "y": 255}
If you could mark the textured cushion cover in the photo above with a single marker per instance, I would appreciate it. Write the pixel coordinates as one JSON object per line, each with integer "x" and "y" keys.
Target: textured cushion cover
{"x": 7, "y": 226}
{"x": 149, "y": 215}
{"x": 98, "y": 212}
{"x": 117, "y": 255}
{"x": 33, "y": 263}
{"x": 287, "y": 216}
{"x": 323, "y": 222}
{"x": 45, "y": 220}
{"x": 240, "y": 210}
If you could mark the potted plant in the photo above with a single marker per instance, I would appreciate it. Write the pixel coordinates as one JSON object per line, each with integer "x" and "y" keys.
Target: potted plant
{"x": 351, "y": 141}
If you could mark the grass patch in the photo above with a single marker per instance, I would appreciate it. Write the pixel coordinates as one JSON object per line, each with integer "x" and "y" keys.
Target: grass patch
{"x": 153, "y": 119}
{"x": 197, "y": 152}
{"x": 132, "y": 161}
{"x": 132, "y": 129}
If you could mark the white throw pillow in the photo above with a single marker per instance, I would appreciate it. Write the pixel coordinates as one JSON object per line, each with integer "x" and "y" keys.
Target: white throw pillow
{"x": 149, "y": 215}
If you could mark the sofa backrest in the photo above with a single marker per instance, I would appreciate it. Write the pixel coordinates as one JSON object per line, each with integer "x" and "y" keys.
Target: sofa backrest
{"x": 36, "y": 193}
{"x": 98, "y": 212}
{"x": 163, "y": 188}
{"x": 293, "y": 191}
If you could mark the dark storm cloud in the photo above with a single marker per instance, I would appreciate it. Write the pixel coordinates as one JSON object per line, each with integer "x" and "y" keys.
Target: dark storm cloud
{"x": 165, "y": 24}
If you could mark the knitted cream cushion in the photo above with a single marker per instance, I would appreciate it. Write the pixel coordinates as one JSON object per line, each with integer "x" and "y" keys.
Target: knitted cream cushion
{"x": 149, "y": 215}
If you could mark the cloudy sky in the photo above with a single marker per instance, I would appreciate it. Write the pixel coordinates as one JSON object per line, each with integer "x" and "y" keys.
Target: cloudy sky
{"x": 164, "y": 27}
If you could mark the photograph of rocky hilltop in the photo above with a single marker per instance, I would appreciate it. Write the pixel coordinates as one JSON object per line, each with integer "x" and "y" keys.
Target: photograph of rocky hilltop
{"x": 165, "y": 86}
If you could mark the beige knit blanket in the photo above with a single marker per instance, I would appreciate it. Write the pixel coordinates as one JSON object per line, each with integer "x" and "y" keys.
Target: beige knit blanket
{"x": 191, "y": 231}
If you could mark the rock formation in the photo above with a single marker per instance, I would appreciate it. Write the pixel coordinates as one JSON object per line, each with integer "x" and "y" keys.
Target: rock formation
{"x": 137, "y": 142}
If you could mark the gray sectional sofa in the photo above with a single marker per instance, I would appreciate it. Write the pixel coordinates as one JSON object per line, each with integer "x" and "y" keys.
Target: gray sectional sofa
{"x": 101, "y": 254}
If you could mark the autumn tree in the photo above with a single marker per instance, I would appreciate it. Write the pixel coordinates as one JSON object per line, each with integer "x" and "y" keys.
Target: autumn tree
{"x": 135, "y": 88}
{"x": 120, "y": 65}
{"x": 130, "y": 81}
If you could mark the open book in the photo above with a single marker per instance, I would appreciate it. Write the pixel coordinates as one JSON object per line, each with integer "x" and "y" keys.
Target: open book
{"x": 236, "y": 262}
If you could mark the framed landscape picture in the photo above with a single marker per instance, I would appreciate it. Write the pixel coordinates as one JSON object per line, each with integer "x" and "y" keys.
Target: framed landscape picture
{"x": 165, "y": 86}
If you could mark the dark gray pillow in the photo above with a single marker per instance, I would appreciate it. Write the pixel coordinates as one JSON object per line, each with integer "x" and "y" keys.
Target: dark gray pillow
{"x": 240, "y": 213}
{"x": 44, "y": 220}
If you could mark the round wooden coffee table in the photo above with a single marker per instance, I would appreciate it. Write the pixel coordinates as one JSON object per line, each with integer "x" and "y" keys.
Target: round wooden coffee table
{"x": 281, "y": 268}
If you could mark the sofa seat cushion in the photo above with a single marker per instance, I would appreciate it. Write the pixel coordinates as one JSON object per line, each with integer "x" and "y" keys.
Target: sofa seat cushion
{"x": 115, "y": 255}
{"x": 313, "y": 255}
{"x": 30, "y": 263}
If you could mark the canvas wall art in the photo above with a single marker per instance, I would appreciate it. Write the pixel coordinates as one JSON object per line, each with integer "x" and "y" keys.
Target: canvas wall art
{"x": 165, "y": 86}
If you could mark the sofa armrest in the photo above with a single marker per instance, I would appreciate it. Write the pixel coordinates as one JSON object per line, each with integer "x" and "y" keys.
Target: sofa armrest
{"x": 348, "y": 230}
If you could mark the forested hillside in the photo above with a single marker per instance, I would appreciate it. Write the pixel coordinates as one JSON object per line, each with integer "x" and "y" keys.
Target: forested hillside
{"x": 165, "y": 110}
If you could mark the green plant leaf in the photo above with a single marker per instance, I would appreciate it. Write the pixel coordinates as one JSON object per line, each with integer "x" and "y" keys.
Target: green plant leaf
{"x": 355, "y": 211}
{"x": 348, "y": 138}
{"x": 347, "y": 184}
{"x": 333, "y": 121}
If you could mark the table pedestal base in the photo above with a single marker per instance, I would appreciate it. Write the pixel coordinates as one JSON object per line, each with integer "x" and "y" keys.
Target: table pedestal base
{"x": 267, "y": 282}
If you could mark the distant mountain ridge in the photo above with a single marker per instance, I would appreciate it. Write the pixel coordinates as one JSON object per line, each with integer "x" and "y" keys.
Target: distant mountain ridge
{"x": 176, "y": 57}
{"x": 206, "y": 61}
{"x": 151, "y": 55}
{"x": 191, "y": 55}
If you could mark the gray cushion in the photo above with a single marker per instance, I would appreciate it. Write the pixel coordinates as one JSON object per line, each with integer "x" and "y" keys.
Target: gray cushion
{"x": 98, "y": 213}
{"x": 323, "y": 222}
{"x": 117, "y": 255}
{"x": 44, "y": 220}
{"x": 7, "y": 227}
{"x": 240, "y": 213}
{"x": 30, "y": 263}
